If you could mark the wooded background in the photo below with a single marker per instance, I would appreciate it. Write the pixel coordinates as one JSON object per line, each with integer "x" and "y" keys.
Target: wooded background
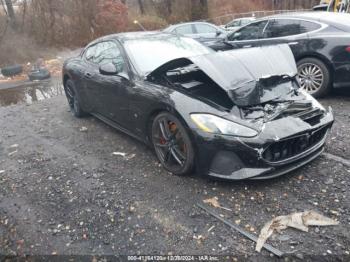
{"x": 26, "y": 25}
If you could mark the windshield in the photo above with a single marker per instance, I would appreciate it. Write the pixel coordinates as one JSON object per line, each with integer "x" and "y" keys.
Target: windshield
{"x": 149, "y": 54}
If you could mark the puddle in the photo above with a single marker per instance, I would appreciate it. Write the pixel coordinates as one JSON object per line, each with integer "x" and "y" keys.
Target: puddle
{"x": 29, "y": 92}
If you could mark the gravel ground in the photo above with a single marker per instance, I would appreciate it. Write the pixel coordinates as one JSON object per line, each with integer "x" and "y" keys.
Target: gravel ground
{"x": 63, "y": 191}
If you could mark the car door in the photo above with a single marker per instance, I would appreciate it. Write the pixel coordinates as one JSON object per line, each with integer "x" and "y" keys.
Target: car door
{"x": 86, "y": 91}
{"x": 109, "y": 90}
{"x": 248, "y": 36}
{"x": 208, "y": 33}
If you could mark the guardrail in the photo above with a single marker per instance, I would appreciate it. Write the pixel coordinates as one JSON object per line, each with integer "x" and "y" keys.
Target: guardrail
{"x": 224, "y": 19}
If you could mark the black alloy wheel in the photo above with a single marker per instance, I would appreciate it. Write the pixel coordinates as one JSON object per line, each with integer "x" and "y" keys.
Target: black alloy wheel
{"x": 73, "y": 100}
{"x": 172, "y": 144}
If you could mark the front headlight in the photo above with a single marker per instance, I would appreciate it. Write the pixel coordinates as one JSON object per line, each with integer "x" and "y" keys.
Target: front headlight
{"x": 217, "y": 125}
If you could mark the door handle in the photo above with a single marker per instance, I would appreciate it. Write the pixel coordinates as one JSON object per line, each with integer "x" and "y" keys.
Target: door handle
{"x": 293, "y": 43}
{"x": 247, "y": 46}
{"x": 88, "y": 75}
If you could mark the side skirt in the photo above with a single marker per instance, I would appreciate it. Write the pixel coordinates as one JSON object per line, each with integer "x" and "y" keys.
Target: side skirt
{"x": 118, "y": 127}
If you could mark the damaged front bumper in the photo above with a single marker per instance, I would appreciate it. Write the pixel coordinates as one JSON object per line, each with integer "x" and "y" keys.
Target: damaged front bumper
{"x": 282, "y": 146}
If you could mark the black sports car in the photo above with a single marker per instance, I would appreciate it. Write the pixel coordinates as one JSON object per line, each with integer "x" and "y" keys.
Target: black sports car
{"x": 231, "y": 115}
{"x": 320, "y": 42}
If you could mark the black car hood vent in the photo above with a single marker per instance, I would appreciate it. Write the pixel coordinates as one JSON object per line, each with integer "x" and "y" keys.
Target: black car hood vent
{"x": 240, "y": 72}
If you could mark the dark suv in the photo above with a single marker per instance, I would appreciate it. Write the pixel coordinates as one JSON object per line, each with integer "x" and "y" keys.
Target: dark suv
{"x": 319, "y": 41}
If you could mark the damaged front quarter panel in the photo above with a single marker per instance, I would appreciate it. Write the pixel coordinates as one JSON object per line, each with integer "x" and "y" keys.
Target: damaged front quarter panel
{"x": 260, "y": 93}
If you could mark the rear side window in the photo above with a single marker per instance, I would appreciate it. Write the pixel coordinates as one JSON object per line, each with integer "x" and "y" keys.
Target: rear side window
{"x": 250, "y": 32}
{"x": 205, "y": 29}
{"x": 184, "y": 30}
{"x": 289, "y": 27}
{"x": 307, "y": 26}
{"x": 283, "y": 27}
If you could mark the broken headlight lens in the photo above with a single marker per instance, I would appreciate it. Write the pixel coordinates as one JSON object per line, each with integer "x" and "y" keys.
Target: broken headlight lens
{"x": 217, "y": 125}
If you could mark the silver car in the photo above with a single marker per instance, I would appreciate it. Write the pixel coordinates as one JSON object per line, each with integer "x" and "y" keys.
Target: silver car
{"x": 203, "y": 32}
{"x": 236, "y": 24}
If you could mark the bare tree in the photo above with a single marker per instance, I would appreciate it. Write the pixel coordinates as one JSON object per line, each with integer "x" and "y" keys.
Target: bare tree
{"x": 141, "y": 6}
{"x": 168, "y": 7}
{"x": 199, "y": 9}
{"x": 11, "y": 13}
{"x": 24, "y": 12}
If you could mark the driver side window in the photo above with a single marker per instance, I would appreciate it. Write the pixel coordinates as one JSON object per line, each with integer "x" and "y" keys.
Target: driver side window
{"x": 105, "y": 52}
{"x": 250, "y": 32}
{"x": 109, "y": 52}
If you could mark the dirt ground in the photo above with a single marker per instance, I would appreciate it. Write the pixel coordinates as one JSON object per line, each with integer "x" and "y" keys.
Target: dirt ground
{"x": 64, "y": 192}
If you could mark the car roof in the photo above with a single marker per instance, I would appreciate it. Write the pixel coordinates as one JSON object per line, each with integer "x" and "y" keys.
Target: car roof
{"x": 188, "y": 23}
{"x": 248, "y": 18}
{"x": 321, "y": 16}
{"x": 131, "y": 36}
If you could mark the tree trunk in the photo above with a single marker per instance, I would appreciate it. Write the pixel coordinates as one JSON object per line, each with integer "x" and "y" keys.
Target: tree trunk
{"x": 199, "y": 9}
{"x": 141, "y": 6}
{"x": 168, "y": 7}
{"x": 205, "y": 9}
{"x": 24, "y": 14}
{"x": 11, "y": 13}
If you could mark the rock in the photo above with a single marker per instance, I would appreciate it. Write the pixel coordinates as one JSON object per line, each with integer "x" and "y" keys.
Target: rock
{"x": 329, "y": 181}
{"x": 300, "y": 256}
{"x": 283, "y": 238}
{"x": 83, "y": 129}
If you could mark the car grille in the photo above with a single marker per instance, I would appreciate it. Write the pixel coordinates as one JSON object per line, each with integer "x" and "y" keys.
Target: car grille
{"x": 292, "y": 147}
{"x": 311, "y": 117}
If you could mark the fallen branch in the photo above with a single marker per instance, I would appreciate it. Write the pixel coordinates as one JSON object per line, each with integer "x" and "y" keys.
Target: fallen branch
{"x": 252, "y": 237}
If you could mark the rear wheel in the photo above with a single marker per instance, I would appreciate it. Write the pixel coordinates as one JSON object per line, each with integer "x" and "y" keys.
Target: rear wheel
{"x": 73, "y": 100}
{"x": 172, "y": 144}
{"x": 314, "y": 77}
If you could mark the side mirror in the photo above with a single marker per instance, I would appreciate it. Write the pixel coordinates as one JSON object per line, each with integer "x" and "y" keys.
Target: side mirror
{"x": 108, "y": 69}
{"x": 218, "y": 32}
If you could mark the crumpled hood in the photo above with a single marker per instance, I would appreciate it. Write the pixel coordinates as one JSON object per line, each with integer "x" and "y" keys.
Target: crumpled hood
{"x": 238, "y": 72}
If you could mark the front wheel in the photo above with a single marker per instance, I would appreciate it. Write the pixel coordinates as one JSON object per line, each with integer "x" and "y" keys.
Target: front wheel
{"x": 73, "y": 101}
{"x": 172, "y": 144}
{"x": 314, "y": 77}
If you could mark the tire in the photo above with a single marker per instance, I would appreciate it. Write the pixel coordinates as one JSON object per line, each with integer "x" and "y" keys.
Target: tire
{"x": 314, "y": 76}
{"x": 172, "y": 144}
{"x": 73, "y": 99}
{"x": 12, "y": 70}
{"x": 37, "y": 75}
